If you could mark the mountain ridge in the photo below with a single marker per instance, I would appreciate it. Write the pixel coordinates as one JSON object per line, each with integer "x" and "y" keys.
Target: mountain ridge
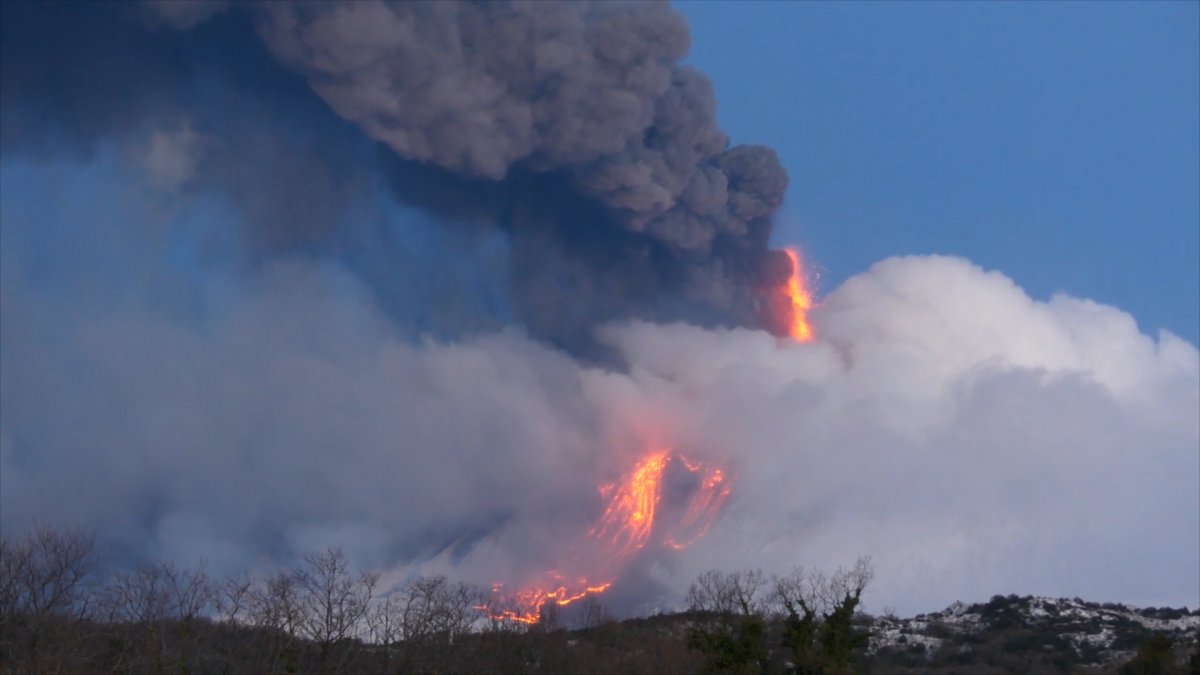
{"x": 1069, "y": 632}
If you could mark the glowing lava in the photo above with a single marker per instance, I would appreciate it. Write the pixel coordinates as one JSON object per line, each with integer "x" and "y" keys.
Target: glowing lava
{"x": 801, "y": 298}
{"x": 705, "y": 504}
{"x": 627, "y": 521}
{"x": 623, "y": 529}
{"x": 527, "y": 603}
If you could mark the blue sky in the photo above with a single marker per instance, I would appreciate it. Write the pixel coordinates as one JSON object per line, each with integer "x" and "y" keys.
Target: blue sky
{"x": 1056, "y": 142}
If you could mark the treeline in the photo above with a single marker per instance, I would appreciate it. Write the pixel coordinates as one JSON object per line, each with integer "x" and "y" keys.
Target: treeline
{"x": 59, "y": 614}
{"x": 801, "y": 623}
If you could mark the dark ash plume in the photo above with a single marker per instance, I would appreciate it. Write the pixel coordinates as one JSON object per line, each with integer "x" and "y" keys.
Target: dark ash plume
{"x": 592, "y": 89}
{"x": 572, "y": 125}
{"x": 587, "y": 96}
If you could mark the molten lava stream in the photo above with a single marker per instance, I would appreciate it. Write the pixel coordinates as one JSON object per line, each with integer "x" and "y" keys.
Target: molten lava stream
{"x": 801, "y": 299}
{"x": 704, "y": 506}
{"x": 624, "y": 528}
{"x": 630, "y": 514}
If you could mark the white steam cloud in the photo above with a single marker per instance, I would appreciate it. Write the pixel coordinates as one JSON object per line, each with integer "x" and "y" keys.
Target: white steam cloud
{"x": 971, "y": 439}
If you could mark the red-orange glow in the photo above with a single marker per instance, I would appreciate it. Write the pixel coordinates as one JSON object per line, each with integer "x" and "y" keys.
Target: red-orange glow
{"x": 529, "y": 601}
{"x": 627, "y": 521}
{"x": 801, "y": 299}
{"x": 623, "y": 529}
{"x": 704, "y": 506}
{"x": 691, "y": 466}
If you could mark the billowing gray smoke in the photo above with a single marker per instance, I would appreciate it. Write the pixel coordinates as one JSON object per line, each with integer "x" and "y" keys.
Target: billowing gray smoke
{"x": 570, "y": 125}
{"x": 585, "y": 98}
{"x": 589, "y": 89}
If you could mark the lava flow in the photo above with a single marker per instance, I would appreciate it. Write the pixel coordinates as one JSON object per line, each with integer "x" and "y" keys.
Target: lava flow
{"x": 801, "y": 299}
{"x": 627, "y": 521}
{"x": 705, "y": 504}
{"x": 623, "y": 529}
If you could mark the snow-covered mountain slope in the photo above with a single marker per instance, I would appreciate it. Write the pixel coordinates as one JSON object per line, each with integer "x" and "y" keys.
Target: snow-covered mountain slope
{"x": 1071, "y": 631}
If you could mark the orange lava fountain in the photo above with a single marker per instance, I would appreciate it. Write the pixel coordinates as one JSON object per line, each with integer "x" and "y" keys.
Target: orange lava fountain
{"x": 801, "y": 298}
{"x": 622, "y": 530}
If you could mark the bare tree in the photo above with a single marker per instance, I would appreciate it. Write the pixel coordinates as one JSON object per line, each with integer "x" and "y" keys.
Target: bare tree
{"x": 422, "y": 604}
{"x": 497, "y": 614}
{"x": 549, "y": 619}
{"x": 800, "y": 592}
{"x": 233, "y": 601}
{"x": 189, "y": 596}
{"x": 595, "y": 614}
{"x": 727, "y": 592}
{"x": 815, "y": 591}
{"x": 853, "y": 581}
{"x": 434, "y": 606}
{"x": 56, "y": 564}
{"x": 43, "y": 590}
{"x": 276, "y": 608}
{"x": 818, "y": 611}
{"x": 135, "y": 605}
{"x": 335, "y": 603}
{"x": 734, "y": 639}
{"x": 460, "y": 613}
{"x": 385, "y": 622}
{"x": 15, "y": 559}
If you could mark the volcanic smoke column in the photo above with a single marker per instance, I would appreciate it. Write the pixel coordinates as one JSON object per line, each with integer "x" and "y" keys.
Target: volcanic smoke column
{"x": 571, "y": 125}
